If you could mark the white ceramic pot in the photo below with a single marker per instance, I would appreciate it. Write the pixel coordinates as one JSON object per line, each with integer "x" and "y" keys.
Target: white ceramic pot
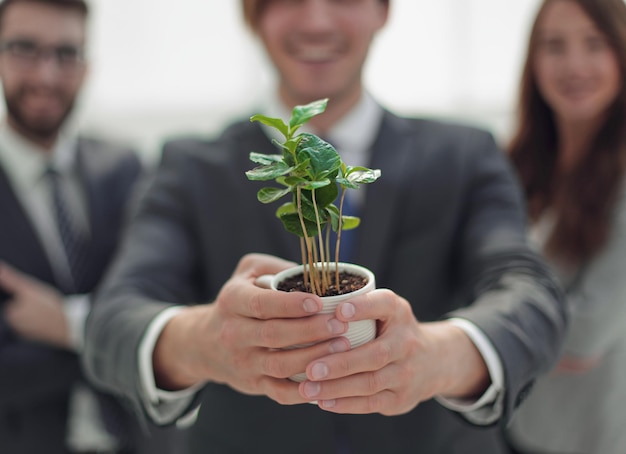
{"x": 358, "y": 332}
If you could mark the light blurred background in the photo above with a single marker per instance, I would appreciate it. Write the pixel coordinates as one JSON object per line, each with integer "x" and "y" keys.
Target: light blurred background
{"x": 161, "y": 68}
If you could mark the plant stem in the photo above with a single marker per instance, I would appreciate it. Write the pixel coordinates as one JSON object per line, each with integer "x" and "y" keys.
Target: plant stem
{"x": 306, "y": 271}
{"x": 339, "y": 229}
{"x": 320, "y": 239}
{"x": 303, "y": 260}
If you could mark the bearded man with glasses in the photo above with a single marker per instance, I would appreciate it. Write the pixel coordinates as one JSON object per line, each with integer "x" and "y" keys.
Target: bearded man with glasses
{"x": 63, "y": 199}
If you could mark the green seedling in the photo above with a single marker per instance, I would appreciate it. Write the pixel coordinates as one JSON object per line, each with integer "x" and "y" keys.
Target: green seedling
{"x": 312, "y": 172}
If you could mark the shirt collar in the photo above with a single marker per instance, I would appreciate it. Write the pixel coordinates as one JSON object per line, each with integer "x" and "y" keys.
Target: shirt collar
{"x": 355, "y": 132}
{"x": 26, "y": 162}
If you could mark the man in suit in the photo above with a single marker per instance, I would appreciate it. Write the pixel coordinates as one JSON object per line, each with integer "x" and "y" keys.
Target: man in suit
{"x": 472, "y": 317}
{"x": 46, "y": 405}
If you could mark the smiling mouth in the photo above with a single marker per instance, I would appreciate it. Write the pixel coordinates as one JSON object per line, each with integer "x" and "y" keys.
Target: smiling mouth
{"x": 315, "y": 50}
{"x": 316, "y": 54}
{"x": 577, "y": 92}
{"x": 577, "y": 89}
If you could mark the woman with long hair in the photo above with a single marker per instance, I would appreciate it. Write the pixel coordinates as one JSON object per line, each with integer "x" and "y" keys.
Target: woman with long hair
{"x": 569, "y": 149}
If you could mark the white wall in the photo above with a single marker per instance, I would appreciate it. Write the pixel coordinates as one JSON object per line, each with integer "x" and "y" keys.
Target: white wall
{"x": 161, "y": 68}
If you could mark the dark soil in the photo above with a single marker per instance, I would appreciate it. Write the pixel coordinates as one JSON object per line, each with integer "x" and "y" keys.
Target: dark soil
{"x": 348, "y": 283}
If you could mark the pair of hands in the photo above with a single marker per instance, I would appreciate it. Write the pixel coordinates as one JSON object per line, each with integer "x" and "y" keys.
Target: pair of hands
{"x": 35, "y": 310}
{"x": 239, "y": 339}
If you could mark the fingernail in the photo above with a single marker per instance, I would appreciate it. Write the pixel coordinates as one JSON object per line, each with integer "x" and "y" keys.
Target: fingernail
{"x": 311, "y": 389}
{"x": 310, "y": 305}
{"x": 335, "y": 326}
{"x": 319, "y": 371}
{"x": 339, "y": 346}
{"x": 330, "y": 403}
{"x": 348, "y": 310}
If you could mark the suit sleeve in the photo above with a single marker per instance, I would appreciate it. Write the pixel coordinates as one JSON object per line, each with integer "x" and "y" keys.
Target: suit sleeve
{"x": 151, "y": 272}
{"x": 515, "y": 300}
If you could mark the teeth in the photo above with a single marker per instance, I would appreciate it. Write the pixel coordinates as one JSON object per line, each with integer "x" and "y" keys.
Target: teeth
{"x": 315, "y": 53}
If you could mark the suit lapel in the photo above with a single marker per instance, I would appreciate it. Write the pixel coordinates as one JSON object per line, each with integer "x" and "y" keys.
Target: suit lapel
{"x": 20, "y": 246}
{"x": 391, "y": 153}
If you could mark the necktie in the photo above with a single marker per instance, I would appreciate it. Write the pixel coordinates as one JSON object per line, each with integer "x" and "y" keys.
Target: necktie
{"x": 74, "y": 239}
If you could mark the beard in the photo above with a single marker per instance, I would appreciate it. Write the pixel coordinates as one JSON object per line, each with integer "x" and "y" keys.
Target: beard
{"x": 38, "y": 127}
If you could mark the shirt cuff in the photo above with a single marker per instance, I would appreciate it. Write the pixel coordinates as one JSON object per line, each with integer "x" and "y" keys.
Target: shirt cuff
{"x": 162, "y": 406}
{"x": 76, "y": 308}
{"x": 489, "y": 406}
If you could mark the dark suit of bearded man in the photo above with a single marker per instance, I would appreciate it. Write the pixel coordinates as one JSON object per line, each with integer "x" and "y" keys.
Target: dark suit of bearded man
{"x": 443, "y": 227}
{"x": 38, "y": 380}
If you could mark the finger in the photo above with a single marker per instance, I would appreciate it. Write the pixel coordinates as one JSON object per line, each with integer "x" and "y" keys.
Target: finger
{"x": 12, "y": 280}
{"x": 287, "y": 363}
{"x": 364, "y": 384}
{"x": 255, "y": 265}
{"x": 282, "y": 333}
{"x": 378, "y": 403}
{"x": 281, "y": 390}
{"x": 373, "y": 356}
{"x": 242, "y": 297}
{"x": 380, "y": 304}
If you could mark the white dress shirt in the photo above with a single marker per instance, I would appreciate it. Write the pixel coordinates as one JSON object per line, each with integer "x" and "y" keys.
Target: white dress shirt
{"x": 354, "y": 150}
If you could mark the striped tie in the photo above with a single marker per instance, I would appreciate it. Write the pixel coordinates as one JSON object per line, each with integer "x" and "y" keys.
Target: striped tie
{"x": 73, "y": 238}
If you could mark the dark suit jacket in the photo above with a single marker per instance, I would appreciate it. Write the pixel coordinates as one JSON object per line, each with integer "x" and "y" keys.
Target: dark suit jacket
{"x": 443, "y": 227}
{"x": 35, "y": 379}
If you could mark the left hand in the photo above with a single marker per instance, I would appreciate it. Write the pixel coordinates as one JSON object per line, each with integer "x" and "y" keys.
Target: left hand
{"x": 35, "y": 311}
{"x": 407, "y": 363}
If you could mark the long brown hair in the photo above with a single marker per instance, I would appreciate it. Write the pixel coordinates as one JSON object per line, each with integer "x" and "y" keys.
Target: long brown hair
{"x": 585, "y": 199}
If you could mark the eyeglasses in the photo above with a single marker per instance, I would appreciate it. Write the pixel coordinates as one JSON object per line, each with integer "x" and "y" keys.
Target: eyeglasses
{"x": 27, "y": 54}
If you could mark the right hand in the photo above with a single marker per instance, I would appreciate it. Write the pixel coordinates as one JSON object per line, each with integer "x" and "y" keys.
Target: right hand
{"x": 238, "y": 339}
{"x": 35, "y": 310}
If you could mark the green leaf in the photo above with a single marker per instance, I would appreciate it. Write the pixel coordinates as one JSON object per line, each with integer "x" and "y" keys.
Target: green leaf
{"x": 265, "y": 159}
{"x": 364, "y": 176}
{"x": 302, "y": 114}
{"x": 286, "y": 208}
{"x": 268, "y": 172}
{"x": 291, "y": 222}
{"x": 269, "y": 195}
{"x": 354, "y": 176}
{"x": 302, "y": 167}
{"x": 294, "y": 181}
{"x": 306, "y": 205}
{"x": 347, "y": 183}
{"x": 325, "y": 161}
{"x": 332, "y": 212}
{"x": 310, "y": 185}
{"x": 326, "y": 195}
{"x": 276, "y": 123}
{"x": 349, "y": 222}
